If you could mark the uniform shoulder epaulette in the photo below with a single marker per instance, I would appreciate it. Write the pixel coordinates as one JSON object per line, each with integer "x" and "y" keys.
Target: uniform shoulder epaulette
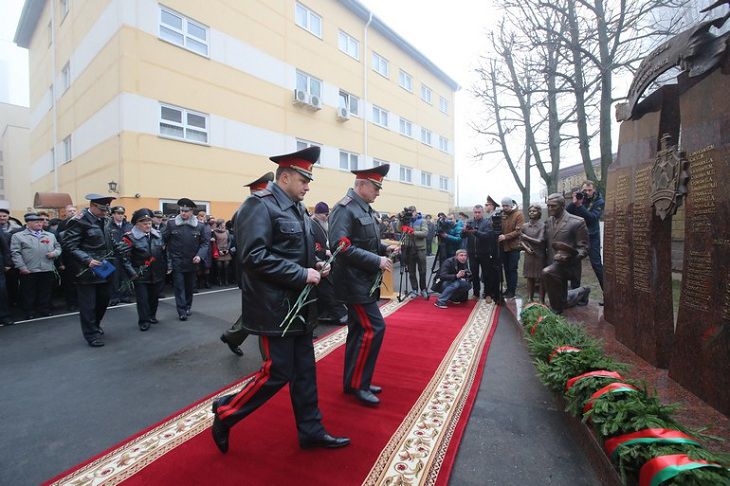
{"x": 262, "y": 193}
{"x": 344, "y": 201}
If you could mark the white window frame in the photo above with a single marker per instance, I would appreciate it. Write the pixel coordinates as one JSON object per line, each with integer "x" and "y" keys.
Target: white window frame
{"x": 443, "y": 144}
{"x": 380, "y": 116}
{"x": 307, "y": 23}
{"x": 309, "y": 83}
{"x": 406, "y": 174}
{"x": 353, "y": 160}
{"x": 188, "y": 39}
{"x": 67, "y": 149}
{"x": 444, "y": 105}
{"x": 443, "y": 183}
{"x": 378, "y": 162}
{"x": 184, "y": 125}
{"x": 405, "y": 81}
{"x": 426, "y": 94}
{"x": 426, "y": 136}
{"x": 380, "y": 64}
{"x": 405, "y": 127}
{"x": 66, "y": 76}
{"x": 425, "y": 178}
{"x": 303, "y": 144}
{"x": 349, "y": 101}
{"x": 346, "y": 43}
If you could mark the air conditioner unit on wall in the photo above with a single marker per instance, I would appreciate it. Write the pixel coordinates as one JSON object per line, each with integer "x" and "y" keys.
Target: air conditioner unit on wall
{"x": 343, "y": 114}
{"x": 301, "y": 97}
{"x": 315, "y": 102}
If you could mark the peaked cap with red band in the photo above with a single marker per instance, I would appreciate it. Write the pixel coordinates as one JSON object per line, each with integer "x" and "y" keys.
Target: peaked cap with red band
{"x": 374, "y": 175}
{"x": 301, "y": 161}
{"x": 261, "y": 182}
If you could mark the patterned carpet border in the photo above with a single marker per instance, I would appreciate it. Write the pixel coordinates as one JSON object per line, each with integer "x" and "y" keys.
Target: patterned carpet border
{"x": 125, "y": 460}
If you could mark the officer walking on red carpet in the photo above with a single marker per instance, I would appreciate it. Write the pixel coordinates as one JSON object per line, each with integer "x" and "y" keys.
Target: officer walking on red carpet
{"x": 355, "y": 273}
{"x": 236, "y": 335}
{"x": 276, "y": 251}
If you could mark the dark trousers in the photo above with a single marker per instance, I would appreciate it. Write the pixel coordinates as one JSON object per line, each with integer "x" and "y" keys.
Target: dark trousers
{"x": 429, "y": 246}
{"x": 120, "y": 288}
{"x": 183, "y": 284}
{"x": 4, "y": 301}
{"x": 416, "y": 257}
{"x": 510, "y": 261}
{"x": 365, "y": 331}
{"x": 68, "y": 287}
{"x": 594, "y": 255}
{"x": 327, "y": 304}
{"x": 148, "y": 296}
{"x": 36, "y": 290}
{"x": 289, "y": 360}
{"x": 93, "y": 300}
{"x": 236, "y": 334}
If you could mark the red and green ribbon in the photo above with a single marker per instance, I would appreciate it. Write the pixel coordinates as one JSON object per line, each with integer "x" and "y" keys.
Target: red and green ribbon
{"x": 562, "y": 349}
{"x": 616, "y": 387}
{"x": 657, "y": 470}
{"x": 647, "y": 436}
{"x": 534, "y": 326}
{"x": 590, "y": 374}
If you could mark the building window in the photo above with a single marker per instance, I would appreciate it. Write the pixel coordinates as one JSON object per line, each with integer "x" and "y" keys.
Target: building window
{"x": 444, "y": 105}
{"x": 406, "y": 174}
{"x": 380, "y": 116}
{"x": 184, "y": 32}
{"x": 350, "y": 102}
{"x": 302, "y": 144}
{"x": 64, "y": 8}
{"x": 183, "y": 124}
{"x": 349, "y": 45}
{"x": 308, "y": 20}
{"x": 443, "y": 183}
{"x": 405, "y": 80}
{"x": 67, "y": 153}
{"x": 406, "y": 127}
{"x": 309, "y": 84}
{"x": 426, "y": 136}
{"x": 426, "y": 179}
{"x": 443, "y": 144}
{"x": 378, "y": 162}
{"x": 380, "y": 64}
{"x": 66, "y": 77}
{"x": 426, "y": 93}
{"x": 348, "y": 160}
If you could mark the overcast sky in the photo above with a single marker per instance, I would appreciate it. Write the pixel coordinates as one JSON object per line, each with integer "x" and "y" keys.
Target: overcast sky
{"x": 451, "y": 34}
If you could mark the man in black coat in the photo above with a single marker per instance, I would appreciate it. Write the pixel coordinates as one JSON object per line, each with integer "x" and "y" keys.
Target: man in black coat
{"x": 276, "y": 249}
{"x": 235, "y": 336}
{"x": 118, "y": 226}
{"x": 330, "y": 310}
{"x": 355, "y": 272}
{"x": 5, "y": 264}
{"x": 187, "y": 245}
{"x": 481, "y": 244}
{"x": 89, "y": 246}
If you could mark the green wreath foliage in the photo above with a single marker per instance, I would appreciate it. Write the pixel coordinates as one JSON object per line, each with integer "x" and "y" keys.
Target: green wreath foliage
{"x": 565, "y": 366}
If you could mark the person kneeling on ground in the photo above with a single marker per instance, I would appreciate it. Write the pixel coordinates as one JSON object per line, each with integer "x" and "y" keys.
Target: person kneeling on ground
{"x": 455, "y": 277}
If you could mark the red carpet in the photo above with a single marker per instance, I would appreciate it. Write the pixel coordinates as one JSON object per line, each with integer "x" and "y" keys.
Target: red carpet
{"x": 428, "y": 364}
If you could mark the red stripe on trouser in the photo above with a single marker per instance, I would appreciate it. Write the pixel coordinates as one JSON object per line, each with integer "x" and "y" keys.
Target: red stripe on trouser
{"x": 253, "y": 386}
{"x": 367, "y": 339}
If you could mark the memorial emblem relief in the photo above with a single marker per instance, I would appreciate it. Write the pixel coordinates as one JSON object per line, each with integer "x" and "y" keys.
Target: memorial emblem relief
{"x": 669, "y": 177}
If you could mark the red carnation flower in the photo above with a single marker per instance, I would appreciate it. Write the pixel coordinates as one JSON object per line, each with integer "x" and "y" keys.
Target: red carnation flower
{"x": 317, "y": 247}
{"x": 127, "y": 241}
{"x": 344, "y": 242}
{"x": 406, "y": 229}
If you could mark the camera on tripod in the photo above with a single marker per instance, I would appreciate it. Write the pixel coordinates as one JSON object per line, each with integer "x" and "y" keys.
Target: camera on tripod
{"x": 497, "y": 221}
{"x": 406, "y": 217}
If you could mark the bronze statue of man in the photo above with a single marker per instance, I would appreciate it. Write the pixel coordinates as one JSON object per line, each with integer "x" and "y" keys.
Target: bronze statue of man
{"x": 566, "y": 238}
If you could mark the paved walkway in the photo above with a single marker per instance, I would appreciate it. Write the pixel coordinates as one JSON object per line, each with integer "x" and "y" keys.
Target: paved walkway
{"x": 63, "y": 402}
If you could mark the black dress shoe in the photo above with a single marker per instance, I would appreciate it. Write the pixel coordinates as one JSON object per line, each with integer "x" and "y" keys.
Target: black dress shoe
{"x": 220, "y": 431}
{"x": 367, "y": 398}
{"x": 183, "y": 317}
{"x": 234, "y": 349}
{"x": 144, "y": 326}
{"x": 326, "y": 441}
{"x": 100, "y": 330}
{"x": 96, "y": 343}
{"x": 154, "y": 320}
{"x": 375, "y": 389}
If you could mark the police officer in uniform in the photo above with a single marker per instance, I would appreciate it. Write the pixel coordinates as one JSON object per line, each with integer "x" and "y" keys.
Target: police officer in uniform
{"x": 235, "y": 336}
{"x": 186, "y": 247}
{"x": 89, "y": 244}
{"x": 274, "y": 236}
{"x": 354, "y": 273}
{"x": 118, "y": 226}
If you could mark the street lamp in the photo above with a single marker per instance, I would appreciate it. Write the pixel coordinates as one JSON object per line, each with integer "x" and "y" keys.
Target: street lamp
{"x": 112, "y": 186}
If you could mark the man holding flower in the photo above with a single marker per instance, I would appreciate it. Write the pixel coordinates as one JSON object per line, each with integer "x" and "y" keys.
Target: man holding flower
{"x": 276, "y": 251}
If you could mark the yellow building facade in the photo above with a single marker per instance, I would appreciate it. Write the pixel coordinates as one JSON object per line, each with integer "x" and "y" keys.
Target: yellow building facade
{"x": 188, "y": 99}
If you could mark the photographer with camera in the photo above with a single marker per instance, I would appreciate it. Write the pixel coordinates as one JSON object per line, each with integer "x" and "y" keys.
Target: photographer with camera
{"x": 481, "y": 244}
{"x": 414, "y": 250}
{"x": 588, "y": 204}
{"x": 512, "y": 221}
{"x": 454, "y": 277}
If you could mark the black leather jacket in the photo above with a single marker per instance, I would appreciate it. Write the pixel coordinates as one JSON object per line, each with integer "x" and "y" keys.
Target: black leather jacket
{"x": 275, "y": 249}
{"x": 84, "y": 239}
{"x": 482, "y": 241}
{"x": 358, "y": 266}
{"x": 143, "y": 249}
{"x": 184, "y": 242}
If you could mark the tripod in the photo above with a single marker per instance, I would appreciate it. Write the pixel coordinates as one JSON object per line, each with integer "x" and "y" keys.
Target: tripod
{"x": 404, "y": 245}
{"x": 435, "y": 268}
